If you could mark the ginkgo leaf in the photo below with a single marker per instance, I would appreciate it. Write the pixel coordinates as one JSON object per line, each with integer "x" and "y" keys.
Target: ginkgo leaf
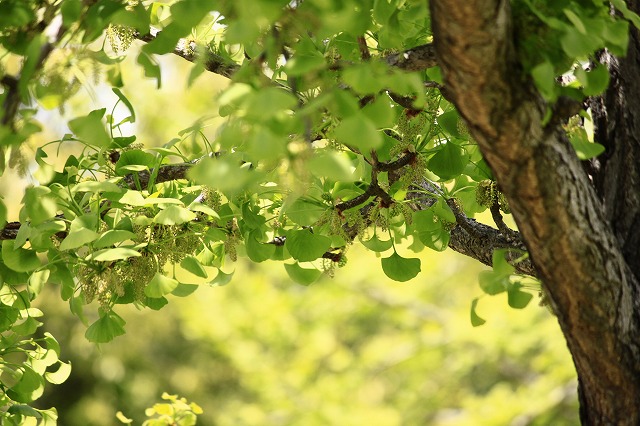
{"x": 399, "y": 268}
{"x": 160, "y": 285}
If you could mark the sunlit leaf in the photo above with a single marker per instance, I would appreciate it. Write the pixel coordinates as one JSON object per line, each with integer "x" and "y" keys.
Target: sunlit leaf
{"x": 301, "y": 275}
{"x": 160, "y": 285}
{"x": 476, "y": 321}
{"x": 108, "y": 327}
{"x": 174, "y": 215}
{"x": 20, "y": 260}
{"x": 400, "y": 268}
{"x": 111, "y": 254}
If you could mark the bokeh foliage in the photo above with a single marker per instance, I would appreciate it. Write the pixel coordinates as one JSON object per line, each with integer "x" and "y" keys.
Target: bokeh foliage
{"x": 324, "y": 137}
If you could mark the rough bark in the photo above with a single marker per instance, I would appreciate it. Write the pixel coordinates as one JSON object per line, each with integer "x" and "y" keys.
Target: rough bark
{"x": 561, "y": 217}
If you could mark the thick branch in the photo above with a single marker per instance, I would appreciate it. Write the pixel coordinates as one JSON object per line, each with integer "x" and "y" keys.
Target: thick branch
{"x": 553, "y": 201}
{"x": 416, "y": 59}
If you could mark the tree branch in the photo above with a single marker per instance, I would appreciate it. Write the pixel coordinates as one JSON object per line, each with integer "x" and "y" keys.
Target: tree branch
{"x": 555, "y": 206}
{"x": 416, "y": 59}
{"x": 212, "y": 62}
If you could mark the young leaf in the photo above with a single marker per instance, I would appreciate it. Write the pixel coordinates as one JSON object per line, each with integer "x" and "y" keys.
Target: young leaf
{"x": 90, "y": 128}
{"x": 305, "y": 246}
{"x": 476, "y": 321}
{"x": 78, "y": 238}
{"x": 60, "y": 375}
{"x": 257, "y": 251}
{"x": 111, "y": 254}
{"x": 518, "y": 299}
{"x": 174, "y": 215}
{"x": 19, "y": 260}
{"x": 108, "y": 327}
{"x": 160, "y": 285}
{"x": 302, "y": 275}
{"x": 377, "y": 245}
{"x": 113, "y": 236}
{"x": 359, "y": 132}
{"x": 399, "y": 268}
{"x": 192, "y": 265}
{"x": 184, "y": 290}
{"x": 221, "y": 279}
{"x": 449, "y": 161}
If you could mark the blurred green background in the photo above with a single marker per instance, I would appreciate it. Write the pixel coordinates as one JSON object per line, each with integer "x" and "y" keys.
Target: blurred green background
{"x": 357, "y": 349}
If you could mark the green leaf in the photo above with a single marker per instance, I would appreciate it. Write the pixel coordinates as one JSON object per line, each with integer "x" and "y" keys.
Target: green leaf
{"x": 448, "y": 121}
{"x": 127, "y": 103}
{"x": 160, "y": 285}
{"x": 151, "y": 66}
{"x": 19, "y": 260}
{"x": 136, "y": 199}
{"x": 111, "y": 254}
{"x": 174, "y": 215}
{"x": 500, "y": 264}
{"x": 226, "y": 174}
{"x": 363, "y": 79}
{"x": 359, "y": 132}
{"x": 3, "y": 214}
{"x": 594, "y": 81}
{"x": 431, "y": 230}
{"x": 24, "y": 410}
{"x": 37, "y": 280}
{"x": 301, "y": 275}
{"x": 95, "y": 187}
{"x": 449, "y": 161}
{"x": 134, "y": 157}
{"x": 29, "y": 387}
{"x": 544, "y": 77}
{"x": 90, "y": 128}
{"x": 377, "y": 245}
{"x": 60, "y": 375}
{"x": 303, "y": 212}
{"x": 518, "y": 299}
{"x": 303, "y": 64}
{"x": 78, "y": 238}
{"x": 221, "y": 279}
{"x": 332, "y": 165}
{"x": 183, "y": 290}
{"x": 156, "y": 303}
{"x": 113, "y": 236}
{"x": 476, "y": 321}
{"x": 492, "y": 283}
{"x": 61, "y": 275}
{"x": 39, "y": 204}
{"x": 257, "y": 251}
{"x": 577, "y": 45}
{"x": 192, "y": 265}
{"x": 27, "y": 327}
{"x": 269, "y": 103}
{"x": 400, "y": 268}
{"x": 585, "y": 149}
{"x": 8, "y": 316}
{"x": 108, "y": 327}
{"x": 305, "y": 246}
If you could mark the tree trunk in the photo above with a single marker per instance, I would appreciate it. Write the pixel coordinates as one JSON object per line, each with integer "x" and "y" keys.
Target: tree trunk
{"x": 585, "y": 258}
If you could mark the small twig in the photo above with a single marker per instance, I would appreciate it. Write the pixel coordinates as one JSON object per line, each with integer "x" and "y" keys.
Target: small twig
{"x": 211, "y": 62}
{"x": 461, "y": 218}
{"x": 497, "y": 219}
{"x": 406, "y": 159}
{"x": 11, "y": 101}
{"x": 364, "y": 49}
